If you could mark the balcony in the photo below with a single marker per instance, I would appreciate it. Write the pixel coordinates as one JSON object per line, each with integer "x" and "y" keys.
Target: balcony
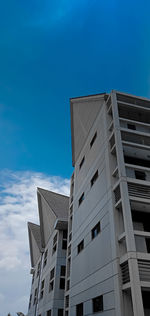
{"x": 133, "y": 138}
{"x": 137, "y": 172}
{"x": 134, "y": 125}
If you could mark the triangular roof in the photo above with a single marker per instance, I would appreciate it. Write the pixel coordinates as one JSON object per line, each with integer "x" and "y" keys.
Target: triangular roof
{"x": 52, "y": 206}
{"x": 58, "y": 203}
{"x": 84, "y": 111}
{"x": 34, "y": 242}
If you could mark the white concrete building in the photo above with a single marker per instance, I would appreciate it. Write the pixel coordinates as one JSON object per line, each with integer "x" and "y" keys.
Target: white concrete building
{"x": 108, "y": 256}
{"x": 108, "y": 248}
{"x": 48, "y": 243}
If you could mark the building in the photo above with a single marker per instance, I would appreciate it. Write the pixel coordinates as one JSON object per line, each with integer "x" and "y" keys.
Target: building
{"x": 48, "y": 244}
{"x": 108, "y": 256}
{"x": 108, "y": 248}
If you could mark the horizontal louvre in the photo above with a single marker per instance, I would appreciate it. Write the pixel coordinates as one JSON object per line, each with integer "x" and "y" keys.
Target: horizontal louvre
{"x": 125, "y": 273}
{"x": 144, "y": 270}
{"x": 139, "y": 190}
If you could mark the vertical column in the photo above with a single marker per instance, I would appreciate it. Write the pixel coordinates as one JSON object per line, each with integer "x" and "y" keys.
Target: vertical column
{"x": 130, "y": 241}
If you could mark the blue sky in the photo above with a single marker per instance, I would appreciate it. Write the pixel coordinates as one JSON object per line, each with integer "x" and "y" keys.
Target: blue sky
{"x": 52, "y": 50}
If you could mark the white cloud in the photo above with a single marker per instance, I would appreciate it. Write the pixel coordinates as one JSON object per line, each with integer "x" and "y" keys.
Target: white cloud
{"x": 18, "y": 205}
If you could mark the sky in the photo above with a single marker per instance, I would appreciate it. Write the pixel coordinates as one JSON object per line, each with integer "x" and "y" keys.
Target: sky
{"x": 51, "y": 50}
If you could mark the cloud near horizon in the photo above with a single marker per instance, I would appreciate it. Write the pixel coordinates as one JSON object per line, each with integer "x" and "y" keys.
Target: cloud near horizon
{"x": 18, "y": 205}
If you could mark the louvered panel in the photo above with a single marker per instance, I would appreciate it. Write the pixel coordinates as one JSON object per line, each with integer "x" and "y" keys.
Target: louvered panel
{"x": 144, "y": 270}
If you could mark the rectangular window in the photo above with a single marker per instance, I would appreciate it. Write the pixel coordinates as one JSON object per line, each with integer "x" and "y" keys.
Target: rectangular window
{"x": 62, "y": 283}
{"x": 140, "y": 175}
{"x": 38, "y": 269}
{"x": 45, "y": 258}
{"x": 94, "y": 178}
{"x": 49, "y": 313}
{"x": 96, "y": 230}
{"x": 54, "y": 244}
{"x": 67, "y": 301}
{"x": 79, "y": 309}
{"x": 60, "y": 312}
{"x": 98, "y": 304}
{"x": 81, "y": 198}
{"x": 81, "y": 246}
{"x": 82, "y": 162}
{"x": 35, "y": 296}
{"x": 62, "y": 277}
{"x": 93, "y": 140}
{"x": 131, "y": 126}
{"x": 64, "y": 241}
{"x": 42, "y": 289}
{"x": 63, "y": 271}
{"x": 30, "y": 301}
{"x": 33, "y": 277}
{"x": 51, "y": 280}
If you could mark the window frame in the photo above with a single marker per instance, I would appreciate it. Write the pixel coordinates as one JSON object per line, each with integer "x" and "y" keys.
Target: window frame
{"x": 96, "y": 230}
{"x": 101, "y": 307}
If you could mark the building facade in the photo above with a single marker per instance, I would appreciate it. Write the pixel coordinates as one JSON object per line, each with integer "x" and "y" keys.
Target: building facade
{"x": 108, "y": 247}
{"x": 48, "y": 244}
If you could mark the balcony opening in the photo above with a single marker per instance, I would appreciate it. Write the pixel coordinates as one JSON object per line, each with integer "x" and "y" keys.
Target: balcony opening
{"x": 131, "y": 126}
{"x": 146, "y": 302}
{"x": 141, "y": 220}
{"x": 137, "y": 161}
{"x": 140, "y": 175}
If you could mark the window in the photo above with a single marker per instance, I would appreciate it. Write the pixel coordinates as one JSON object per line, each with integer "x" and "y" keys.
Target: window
{"x": 68, "y": 285}
{"x": 54, "y": 244}
{"x": 49, "y": 312}
{"x": 96, "y": 230}
{"x": 38, "y": 269}
{"x": 131, "y": 126}
{"x": 35, "y": 296}
{"x": 93, "y": 180}
{"x": 81, "y": 198}
{"x": 93, "y": 140}
{"x": 45, "y": 258}
{"x": 62, "y": 277}
{"x": 140, "y": 175}
{"x": 63, "y": 271}
{"x": 60, "y": 312}
{"x": 51, "y": 280}
{"x": 79, "y": 309}
{"x": 67, "y": 301}
{"x": 42, "y": 289}
{"x": 82, "y": 162}
{"x": 64, "y": 241}
{"x": 81, "y": 246}
{"x": 30, "y": 301}
{"x": 98, "y": 304}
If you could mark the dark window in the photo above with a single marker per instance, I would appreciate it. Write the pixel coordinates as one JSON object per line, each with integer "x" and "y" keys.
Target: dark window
{"x": 81, "y": 199}
{"x": 96, "y": 230}
{"x": 30, "y": 301}
{"x": 45, "y": 258}
{"x": 148, "y": 244}
{"x": 68, "y": 285}
{"x": 52, "y": 273}
{"x": 64, "y": 244}
{"x": 38, "y": 269}
{"x": 82, "y": 162}
{"x": 65, "y": 234}
{"x": 93, "y": 139}
{"x": 60, "y": 312}
{"x": 35, "y": 296}
{"x": 146, "y": 299}
{"x": 140, "y": 175}
{"x": 98, "y": 304}
{"x": 67, "y": 301}
{"x": 63, "y": 270}
{"x": 49, "y": 313}
{"x": 62, "y": 283}
{"x": 93, "y": 180}
{"x": 42, "y": 289}
{"x": 79, "y": 309}
{"x": 51, "y": 286}
{"x": 81, "y": 246}
{"x": 131, "y": 126}
{"x": 54, "y": 244}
